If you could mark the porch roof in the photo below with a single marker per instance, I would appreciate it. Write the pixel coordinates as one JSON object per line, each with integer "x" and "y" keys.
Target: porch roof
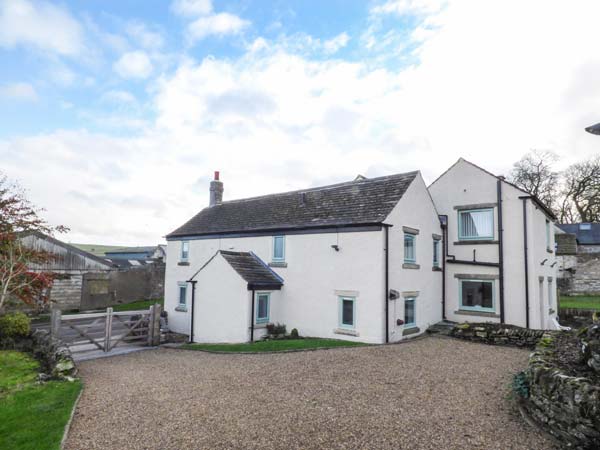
{"x": 253, "y": 270}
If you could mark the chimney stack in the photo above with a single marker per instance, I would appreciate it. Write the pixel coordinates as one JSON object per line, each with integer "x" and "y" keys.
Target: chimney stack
{"x": 216, "y": 190}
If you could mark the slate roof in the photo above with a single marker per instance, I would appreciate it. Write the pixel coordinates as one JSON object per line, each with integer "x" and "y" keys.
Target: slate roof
{"x": 584, "y": 237}
{"x": 132, "y": 250}
{"x": 253, "y": 270}
{"x": 359, "y": 202}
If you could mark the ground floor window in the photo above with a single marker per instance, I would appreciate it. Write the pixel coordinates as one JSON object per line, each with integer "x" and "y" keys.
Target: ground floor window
{"x": 182, "y": 294}
{"x": 410, "y": 316}
{"x": 262, "y": 307}
{"x": 477, "y": 295}
{"x": 347, "y": 312}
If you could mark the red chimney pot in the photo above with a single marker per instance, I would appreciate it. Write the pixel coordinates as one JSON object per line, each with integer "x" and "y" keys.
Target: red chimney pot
{"x": 216, "y": 175}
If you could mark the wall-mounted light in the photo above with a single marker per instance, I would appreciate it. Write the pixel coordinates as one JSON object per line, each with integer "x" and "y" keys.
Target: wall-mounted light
{"x": 544, "y": 262}
{"x": 553, "y": 264}
{"x": 336, "y": 247}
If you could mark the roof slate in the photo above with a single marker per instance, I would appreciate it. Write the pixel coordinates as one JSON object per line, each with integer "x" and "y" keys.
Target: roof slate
{"x": 252, "y": 269}
{"x": 584, "y": 237}
{"x": 358, "y": 202}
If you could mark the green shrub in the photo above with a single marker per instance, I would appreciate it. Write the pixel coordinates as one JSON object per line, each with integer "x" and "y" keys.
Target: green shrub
{"x": 276, "y": 331}
{"x": 294, "y": 333}
{"x": 14, "y": 325}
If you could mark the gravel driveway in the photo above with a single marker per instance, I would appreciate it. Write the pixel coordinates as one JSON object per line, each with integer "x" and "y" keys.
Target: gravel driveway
{"x": 431, "y": 393}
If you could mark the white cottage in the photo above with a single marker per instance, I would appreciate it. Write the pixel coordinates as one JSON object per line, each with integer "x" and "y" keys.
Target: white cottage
{"x": 358, "y": 260}
{"x": 373, "y": 260}
{"x": 500, "y": 261}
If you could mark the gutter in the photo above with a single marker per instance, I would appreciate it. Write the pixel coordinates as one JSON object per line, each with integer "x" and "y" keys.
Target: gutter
{"x": 500, "y": 249}
{"x": 525, "y": 252}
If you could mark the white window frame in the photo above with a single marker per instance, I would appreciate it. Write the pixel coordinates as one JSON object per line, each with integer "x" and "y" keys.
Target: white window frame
{"x": 341, "y": 324}
{"x": 548, "y": 236}
{"x": 412, "y": 237}
{"x": 476, "y": 308}
{"x": 414, "y": 301}
{"x": 264, "y": 319}
{"x": 461, "y": 237}
{"x": 436, "y": 253}
{"x": 182, "y": 285}
{"x": 273, "y": 257}
{"x": 184, "y": 253}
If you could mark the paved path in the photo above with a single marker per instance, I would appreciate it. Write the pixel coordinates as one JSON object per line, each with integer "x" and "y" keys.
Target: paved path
{"x": 432, "y": 393}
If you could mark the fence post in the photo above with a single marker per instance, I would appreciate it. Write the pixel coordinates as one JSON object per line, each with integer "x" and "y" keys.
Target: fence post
{"x": 151, "y": 326}
{"x": 108, "y": 329}
{"x": 55, "y": 316}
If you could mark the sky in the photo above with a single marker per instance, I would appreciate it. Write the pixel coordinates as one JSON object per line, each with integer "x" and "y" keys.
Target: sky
{"x": 115, "y": 114}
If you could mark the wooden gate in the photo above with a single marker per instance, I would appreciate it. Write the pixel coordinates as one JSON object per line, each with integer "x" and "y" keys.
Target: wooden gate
{"x": 104, "y": 331}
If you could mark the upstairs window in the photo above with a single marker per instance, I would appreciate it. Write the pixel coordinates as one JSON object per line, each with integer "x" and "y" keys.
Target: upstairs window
{"x": 410, "y": 248}
{"x": 185, "y": 250}
{"x": 548, "y": 235}
{"x": 476, "y": 224}
{"x": 262, "y": 307}
{"x": 436, "y": 253}
{"x": 279, "y": 248}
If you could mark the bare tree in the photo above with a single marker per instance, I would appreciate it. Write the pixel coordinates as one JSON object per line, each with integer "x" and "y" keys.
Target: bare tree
{"x": 581, "y": 192}
{"x": 534, "y": 173}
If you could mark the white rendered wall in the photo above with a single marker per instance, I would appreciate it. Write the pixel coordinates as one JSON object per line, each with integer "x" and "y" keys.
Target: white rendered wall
{"x": 465, "y": 184}
{"x": 414, "y": 210}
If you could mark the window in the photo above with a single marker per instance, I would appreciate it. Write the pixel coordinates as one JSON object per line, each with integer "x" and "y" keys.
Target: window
{"x": 278, "y": 248}
{"x": 185, "y": 250}
{"x": 477, "y": 295}
{"x": 585, "y": 226}
{"x": 436, "y": 253}
{"x": 182, "y": 295}
{"x": 347, "y": 312}
{"x": 409, "y": 312}
{"x": 262, "y": 308}
{"x": 476, "y": 224}
{"x": 548, "y": 235}
{"x": 410, "y": 248}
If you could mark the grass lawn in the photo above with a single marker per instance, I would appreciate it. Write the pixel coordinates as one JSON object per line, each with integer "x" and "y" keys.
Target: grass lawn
{"x": 32, "y": 416}
{"x": 581, "y": 302}
{"x": 275, "y": 345}
{"x": 142, "y": 304}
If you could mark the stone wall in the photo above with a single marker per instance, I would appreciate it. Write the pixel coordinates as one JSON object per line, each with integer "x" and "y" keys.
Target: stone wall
{"x": 496, "y": 334}
{"x": 566, "y": 406}
{"x": 579, "y": 275}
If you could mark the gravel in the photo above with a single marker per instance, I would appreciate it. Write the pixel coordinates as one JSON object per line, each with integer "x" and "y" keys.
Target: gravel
{"x": 432, "y": 393}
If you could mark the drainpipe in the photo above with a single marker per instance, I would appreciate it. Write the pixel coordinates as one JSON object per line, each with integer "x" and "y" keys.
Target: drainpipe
{"x": 387, "y": 281}
{"x": 500, "y": 249}
{"x": 525, "y": 251}
{"x": 193, "y": 282}
{"x": 443, "y": 257}
{"x": 252, "y": 319}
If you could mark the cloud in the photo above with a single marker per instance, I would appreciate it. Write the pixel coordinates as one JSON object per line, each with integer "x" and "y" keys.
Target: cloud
{"x": 333, "y": 45}
{"x": 275, "y": 118}
{"x": 192, "y": 7}
{"x": 144, "y": 36}
{"x": 404, "y": 7}
{"x": 40, "y": 25}
{"x": 135, "y": 64}
{"x": 18, "y": 91}
{"x": 220, "y": 24}
{"x": 119, "y": 97}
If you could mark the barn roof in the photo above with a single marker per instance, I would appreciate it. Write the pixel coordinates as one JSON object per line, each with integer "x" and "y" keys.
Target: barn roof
{"x": 359, "y": 202}
{"x": 253, "y": 270}
{"x": 587, "y": 233}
